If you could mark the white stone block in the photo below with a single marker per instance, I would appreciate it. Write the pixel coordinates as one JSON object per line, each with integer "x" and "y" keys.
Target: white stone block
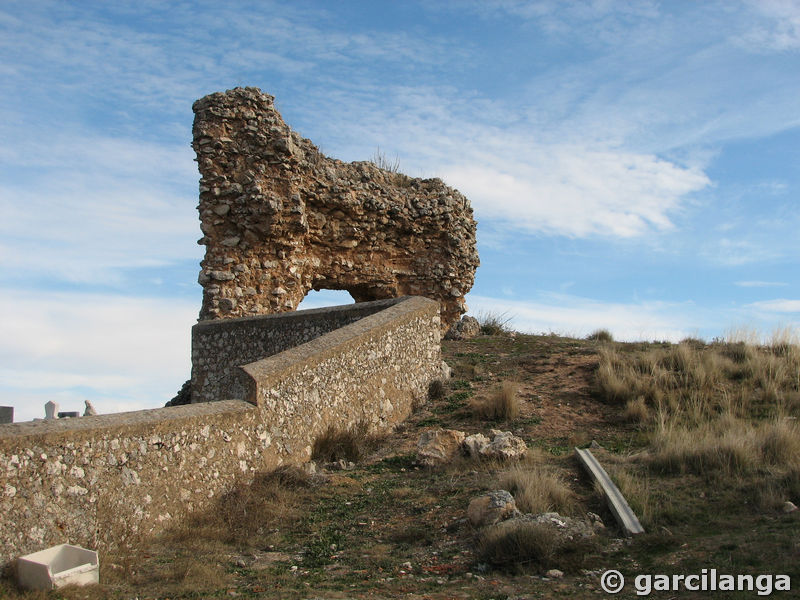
{"x": 58, "y": 566}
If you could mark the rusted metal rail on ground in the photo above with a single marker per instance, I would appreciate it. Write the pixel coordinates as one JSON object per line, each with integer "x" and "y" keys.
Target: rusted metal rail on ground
{"x": 616, "y": 501}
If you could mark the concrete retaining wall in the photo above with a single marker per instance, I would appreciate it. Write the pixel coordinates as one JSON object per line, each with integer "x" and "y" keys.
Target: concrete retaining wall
{"x": 104, "y": 481}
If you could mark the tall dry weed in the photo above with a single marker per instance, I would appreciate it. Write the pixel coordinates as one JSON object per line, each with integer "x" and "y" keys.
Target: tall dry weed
{"x": 502, "y": 405}
{"x": 537, "y": 489}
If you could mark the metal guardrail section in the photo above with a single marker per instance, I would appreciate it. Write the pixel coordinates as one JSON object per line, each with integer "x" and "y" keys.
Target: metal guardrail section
{"x": 616, "y": 501}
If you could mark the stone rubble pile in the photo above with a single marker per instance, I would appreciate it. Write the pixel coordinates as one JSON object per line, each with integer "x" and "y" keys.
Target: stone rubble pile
{"x": 440, "y": 446}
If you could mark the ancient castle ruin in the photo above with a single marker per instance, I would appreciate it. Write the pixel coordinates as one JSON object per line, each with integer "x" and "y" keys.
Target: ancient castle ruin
{"x": 278, "y": 220}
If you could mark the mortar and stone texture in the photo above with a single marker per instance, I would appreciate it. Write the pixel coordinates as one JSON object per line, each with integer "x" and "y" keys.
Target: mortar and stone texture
{"x": 220, "y": 346}
{"x": 280, "y": 219}
{"x": 105, "y": 481}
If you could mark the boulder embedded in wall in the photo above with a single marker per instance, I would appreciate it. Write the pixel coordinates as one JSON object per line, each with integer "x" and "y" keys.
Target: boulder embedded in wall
{"x": 280, "y": 219}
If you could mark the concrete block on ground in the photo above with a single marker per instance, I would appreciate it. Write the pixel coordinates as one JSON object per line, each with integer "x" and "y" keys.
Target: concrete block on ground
{"x": 58, "y": 566}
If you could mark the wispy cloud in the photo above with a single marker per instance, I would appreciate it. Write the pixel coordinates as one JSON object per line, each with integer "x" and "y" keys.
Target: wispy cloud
{"x": 578, "y": 192}
{"x": 779, "y": 27}
{"x": 780, "y": 305}
{"x": 95, "y": 206}
{"x": 735, "y": 253}
{"x": 760, "y": 284}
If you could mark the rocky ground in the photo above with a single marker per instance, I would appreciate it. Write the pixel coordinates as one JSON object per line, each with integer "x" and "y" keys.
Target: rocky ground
{"x": 385, "y": 526}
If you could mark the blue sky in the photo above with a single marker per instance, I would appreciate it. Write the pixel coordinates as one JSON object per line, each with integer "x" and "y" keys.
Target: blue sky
{"x": 632, "y": 165}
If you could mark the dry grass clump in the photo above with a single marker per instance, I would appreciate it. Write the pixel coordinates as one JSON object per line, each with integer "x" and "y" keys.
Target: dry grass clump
{"x": 436, "y": 389}
{"x": 635, "y": 487}
{"x": 726, "y": 410}
{"x": 637, "y": 411}
{"x": 351, "y": 444}
{"x": 242, "y": 517}
{"x": 380, "y": 160}
{"x": 779, "y": 442}
{"x": 537, "y": 489}
{"x": 738, "y": 352}
{"x": 696, "y": 383}
{"x": 515, "y": 544}
{"x": 726, "y": 446}
{"x": 270, "y": 498}
{"x": 693, "y": 342}
{"x": 622, "y": 377}
{"x": 600, "y": 335}
{"x": 503, "y": 405}
{"x": 195, "y": 576}
{"x": 494, "y": 323}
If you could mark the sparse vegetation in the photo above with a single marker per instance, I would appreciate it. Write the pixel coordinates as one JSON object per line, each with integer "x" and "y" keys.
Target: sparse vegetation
{"x": 494, "y": 323}
{"x": 637, "y": 411}
{"x": 537, "y": 488}
{"x": 702, "y": 439}
{"x": 520, "y": 545}
{"x": 502, "y": 405}
{"x": 268, "y": 499}
{"x": 600, "y": 335}
{"x": 380, "y": 160}
{"x": 348, "y": 444}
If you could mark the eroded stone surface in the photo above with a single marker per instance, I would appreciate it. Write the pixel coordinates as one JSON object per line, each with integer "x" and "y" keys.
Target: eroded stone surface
{"x": 566, "y": 527}
{"x": 439, "y": 446}
{"x": 280, "y": 219}
{"x": 465, "y": 329}
{"x": 504, "y": 445}
{"x": 491, "y": 508}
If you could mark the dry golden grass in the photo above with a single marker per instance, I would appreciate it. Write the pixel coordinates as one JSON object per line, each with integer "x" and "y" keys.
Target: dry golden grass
{"x": 721, "y": 410}
{"x": 636, "y": 490}
{"x": 726, "y": 446}
{"x": 502, "y": 405}
{"x": 537, "y": 489}
{"x": 495, "y": 323}
{"x": 637, "y": 411}
{"x": 402, "y": 492}
{"x": 195, "y": 576}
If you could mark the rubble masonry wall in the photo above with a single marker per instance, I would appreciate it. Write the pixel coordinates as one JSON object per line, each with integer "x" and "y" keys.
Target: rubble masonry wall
{"x": 105, "y": 481}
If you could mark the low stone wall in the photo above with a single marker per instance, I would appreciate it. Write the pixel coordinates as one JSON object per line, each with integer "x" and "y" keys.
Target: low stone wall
{"x": 104, "y": 481}
{"x": 220, "y": 346}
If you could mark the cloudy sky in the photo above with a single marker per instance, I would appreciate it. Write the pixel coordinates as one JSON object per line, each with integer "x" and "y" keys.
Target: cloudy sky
{"x": 632, "y": 165}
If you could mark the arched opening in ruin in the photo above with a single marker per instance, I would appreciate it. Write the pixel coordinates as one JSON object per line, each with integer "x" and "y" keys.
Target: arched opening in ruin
{"x": 322, "y": 298}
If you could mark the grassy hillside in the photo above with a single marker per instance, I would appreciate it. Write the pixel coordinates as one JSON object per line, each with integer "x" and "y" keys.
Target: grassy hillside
{"x": 702, "y": 439}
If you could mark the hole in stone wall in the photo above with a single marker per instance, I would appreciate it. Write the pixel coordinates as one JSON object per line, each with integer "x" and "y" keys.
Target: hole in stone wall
{"x": 323, "y": 298}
